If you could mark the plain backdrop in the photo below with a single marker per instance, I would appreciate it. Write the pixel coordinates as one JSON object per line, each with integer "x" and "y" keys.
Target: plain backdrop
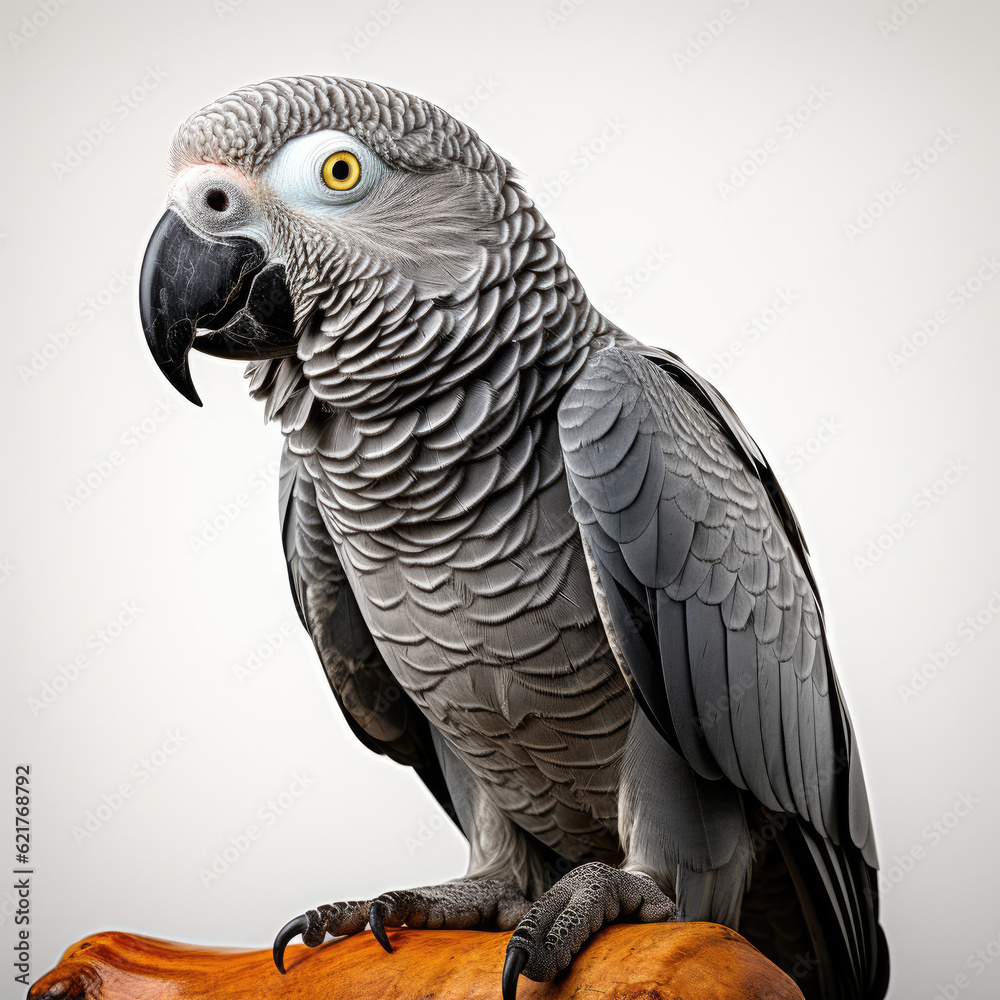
{"x": 800, "y": 199}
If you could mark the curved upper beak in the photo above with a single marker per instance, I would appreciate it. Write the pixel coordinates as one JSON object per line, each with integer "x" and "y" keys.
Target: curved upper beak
{"x": 219, "y": 295}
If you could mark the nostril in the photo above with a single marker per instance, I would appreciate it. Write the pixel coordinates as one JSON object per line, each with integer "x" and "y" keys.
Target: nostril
{"x": 217, "y": 200}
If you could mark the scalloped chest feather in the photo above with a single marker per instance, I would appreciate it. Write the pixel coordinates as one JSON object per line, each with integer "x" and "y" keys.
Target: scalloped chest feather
{"x": 472, "y": 578}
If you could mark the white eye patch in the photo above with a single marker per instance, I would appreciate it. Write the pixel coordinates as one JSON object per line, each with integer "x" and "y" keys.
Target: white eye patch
{"x": 324, "y": 171}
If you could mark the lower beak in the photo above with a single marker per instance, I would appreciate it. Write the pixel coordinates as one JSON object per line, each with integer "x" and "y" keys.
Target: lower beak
{"x": 219, "y": 295}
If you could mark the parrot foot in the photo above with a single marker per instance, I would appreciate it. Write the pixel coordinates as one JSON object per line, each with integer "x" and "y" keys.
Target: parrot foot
{"x": 458, "y": 905}
{"x": 557, "y": 926}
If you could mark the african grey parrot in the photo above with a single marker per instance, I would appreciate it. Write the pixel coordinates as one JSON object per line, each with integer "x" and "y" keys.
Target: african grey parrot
{"x": 542, "y": 563}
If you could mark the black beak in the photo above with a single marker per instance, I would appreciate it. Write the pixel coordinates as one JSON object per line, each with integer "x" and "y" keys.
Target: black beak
{"x": 222, "y": 287}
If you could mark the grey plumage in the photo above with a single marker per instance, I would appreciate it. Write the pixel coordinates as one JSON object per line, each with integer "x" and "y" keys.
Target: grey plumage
{"x": 543, "y": 564}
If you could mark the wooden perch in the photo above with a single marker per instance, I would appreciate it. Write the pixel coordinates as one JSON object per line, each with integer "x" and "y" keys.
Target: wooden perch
{"x": 696, "y": 961}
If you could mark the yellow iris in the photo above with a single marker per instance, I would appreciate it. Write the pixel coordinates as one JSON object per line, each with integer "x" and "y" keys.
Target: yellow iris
{"x": 341, "y": 171}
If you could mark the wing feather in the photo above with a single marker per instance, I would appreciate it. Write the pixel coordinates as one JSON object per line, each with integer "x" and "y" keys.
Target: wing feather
{"x": 690, "y": 536}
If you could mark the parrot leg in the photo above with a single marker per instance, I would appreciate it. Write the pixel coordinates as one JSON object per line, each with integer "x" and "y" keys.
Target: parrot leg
{"x": 557, "y": 926}
{"x": 465, "y": 903}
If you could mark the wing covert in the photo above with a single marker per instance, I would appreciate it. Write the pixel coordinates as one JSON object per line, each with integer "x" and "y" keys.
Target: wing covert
{"x": 705, "y": 581}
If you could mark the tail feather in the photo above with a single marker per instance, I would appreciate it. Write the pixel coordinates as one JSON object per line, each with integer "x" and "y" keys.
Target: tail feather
{"x": 838, "y": 894}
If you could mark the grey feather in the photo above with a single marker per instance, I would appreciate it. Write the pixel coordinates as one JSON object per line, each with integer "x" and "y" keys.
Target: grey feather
{"x": 543, "y": 564}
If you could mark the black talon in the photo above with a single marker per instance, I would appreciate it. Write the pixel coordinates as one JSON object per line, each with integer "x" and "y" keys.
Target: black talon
{"x": 514, "y": 963}
{"x": 293, "y": 928}
{"x": 375, "y": 922}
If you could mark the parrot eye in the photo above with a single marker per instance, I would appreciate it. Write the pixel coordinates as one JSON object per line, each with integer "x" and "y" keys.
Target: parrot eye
{"x": 324, "y": 171}
{"x": 341, "y": 171}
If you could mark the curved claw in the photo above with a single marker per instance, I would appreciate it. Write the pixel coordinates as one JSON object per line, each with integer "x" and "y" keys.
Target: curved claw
{"x": 293, "y": 928}
{"x": 514, "y": 963}
{"x": 375, "y": 922}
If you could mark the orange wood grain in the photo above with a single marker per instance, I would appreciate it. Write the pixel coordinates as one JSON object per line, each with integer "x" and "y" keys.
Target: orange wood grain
{"x": 693, "y": 961}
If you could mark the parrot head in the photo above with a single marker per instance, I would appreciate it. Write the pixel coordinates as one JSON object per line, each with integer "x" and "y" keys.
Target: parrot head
{"x": 310, "y": 201}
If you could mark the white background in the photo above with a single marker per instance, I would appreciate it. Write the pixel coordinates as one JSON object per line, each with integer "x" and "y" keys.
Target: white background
{"x": 599, "y": 96}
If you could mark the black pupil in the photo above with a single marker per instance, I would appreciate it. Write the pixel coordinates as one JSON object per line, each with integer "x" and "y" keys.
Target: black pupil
{"x": 217, "y": 200}
{"x": 341, "y": 170}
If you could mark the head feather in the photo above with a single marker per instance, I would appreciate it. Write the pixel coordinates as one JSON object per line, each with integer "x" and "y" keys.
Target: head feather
{"x": 251, "y": 124}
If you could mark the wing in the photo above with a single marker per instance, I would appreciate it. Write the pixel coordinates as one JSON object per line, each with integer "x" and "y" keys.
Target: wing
{"x": 702, "y": 577}
{"x": 378, "y": 710}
